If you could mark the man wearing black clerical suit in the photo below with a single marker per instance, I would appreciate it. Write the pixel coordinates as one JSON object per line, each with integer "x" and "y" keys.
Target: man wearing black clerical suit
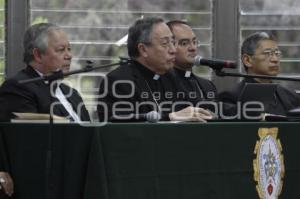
{"x": 260, "y": 55}
{"x": 41, "y": 59}
{"x": 144, "y": 84}
{"x": 46, "y": 49}
{"x": 197, "y": 88}
{"x": 284, "y": 99}
{"x": 199, "y": 91}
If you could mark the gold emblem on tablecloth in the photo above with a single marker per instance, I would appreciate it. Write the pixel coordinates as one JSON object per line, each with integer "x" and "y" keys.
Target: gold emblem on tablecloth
{"x": 268, "y": 165}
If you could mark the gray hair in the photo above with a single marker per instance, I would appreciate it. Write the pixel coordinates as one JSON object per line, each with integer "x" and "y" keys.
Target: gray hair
{"x": 140, "y": 32}
{"x": 36, "y": 36}
{"x": 252, "y": 42}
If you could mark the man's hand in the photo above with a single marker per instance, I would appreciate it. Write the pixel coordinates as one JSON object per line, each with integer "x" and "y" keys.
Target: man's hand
{"x": 6, "y": 183}
{"x": 191, "y": 114}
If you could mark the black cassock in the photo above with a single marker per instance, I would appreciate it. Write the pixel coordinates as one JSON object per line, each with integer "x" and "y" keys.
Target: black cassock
{"x": 135, "y": 87}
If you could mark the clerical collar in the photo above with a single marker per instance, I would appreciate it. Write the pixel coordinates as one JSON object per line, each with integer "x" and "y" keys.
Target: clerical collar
{"x": 156, "y": 77}
{"x": 147, "y": 72}
{"x": 184, "y": 73}
{"x": 188, "y": 73}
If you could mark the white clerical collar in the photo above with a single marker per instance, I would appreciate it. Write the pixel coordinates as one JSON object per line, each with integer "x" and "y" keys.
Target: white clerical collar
{"x": 156, "y": 77}
{"x": 41, "y": 75}
{"x": 188, "y": 73}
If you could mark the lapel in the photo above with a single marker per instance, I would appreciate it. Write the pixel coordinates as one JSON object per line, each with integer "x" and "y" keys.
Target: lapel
{"x": 31, "y": 73}
{"x": 42, "y": 90}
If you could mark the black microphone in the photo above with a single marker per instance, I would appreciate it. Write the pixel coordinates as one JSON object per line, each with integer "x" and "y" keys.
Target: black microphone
{"x": 216, "y": 64}
{"x": 152, "y": 116}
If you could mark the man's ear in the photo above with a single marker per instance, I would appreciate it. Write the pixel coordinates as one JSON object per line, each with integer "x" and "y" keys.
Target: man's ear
{"x": 37, "y": 55}
{"x": 142, "y": 48}
{"x": 247, "y": 60}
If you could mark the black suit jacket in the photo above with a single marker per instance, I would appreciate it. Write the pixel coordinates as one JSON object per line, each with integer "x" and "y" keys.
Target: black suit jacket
{"x": 285, "y": 99}
{"x": 127, "y": 96}
{"x": 196, "y": 88}
{"x": 35, "y": 97}
{"x": 206, "y": 94}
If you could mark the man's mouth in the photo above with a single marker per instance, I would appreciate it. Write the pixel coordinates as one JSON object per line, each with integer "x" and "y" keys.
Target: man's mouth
{"x": 274, "y": 67}
{"x": 192, "y": 55}
{"x": 66, "y": 67}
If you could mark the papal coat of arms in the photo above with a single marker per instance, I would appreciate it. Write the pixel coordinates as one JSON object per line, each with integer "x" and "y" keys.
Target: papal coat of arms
{"x": 268, "y": 165}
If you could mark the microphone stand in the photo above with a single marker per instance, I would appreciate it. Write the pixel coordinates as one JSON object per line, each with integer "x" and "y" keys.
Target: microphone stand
{"x": 60, "y": 74}
{"x": 49, "y": 148}
{"x": 50, "y": 78}
{"x": 221, "y": 73}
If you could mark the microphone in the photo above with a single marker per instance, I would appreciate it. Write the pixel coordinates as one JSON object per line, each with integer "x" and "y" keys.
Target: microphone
{"x": 152, "y": 116}
{"x": 216, "y": 64}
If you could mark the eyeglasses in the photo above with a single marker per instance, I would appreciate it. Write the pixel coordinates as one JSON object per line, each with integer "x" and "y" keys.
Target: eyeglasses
{"x": 187, "y": 43}
{"x": 167, "y": 43}
{"x": 269, "y": 53}
{"x": 164, "y": 42}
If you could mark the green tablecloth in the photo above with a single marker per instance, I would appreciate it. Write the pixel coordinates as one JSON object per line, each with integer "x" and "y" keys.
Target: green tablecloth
{"x": 141, "y": 161}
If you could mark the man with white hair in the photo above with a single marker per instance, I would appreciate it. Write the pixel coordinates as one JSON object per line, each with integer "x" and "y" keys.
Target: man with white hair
{"x": 46, "y": 50}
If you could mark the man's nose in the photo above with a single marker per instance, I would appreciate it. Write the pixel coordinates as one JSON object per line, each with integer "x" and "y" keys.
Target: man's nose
{"x": 192, "y": 48}
{"x": 68, "y": 55}
{"x": 274, "y": 57}
{"x": 172, "y": 49}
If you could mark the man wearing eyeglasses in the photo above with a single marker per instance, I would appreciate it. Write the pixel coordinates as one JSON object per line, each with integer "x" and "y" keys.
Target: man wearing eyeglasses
{"x": 197, "y": 89}
{"x": 260, "y": 55}
{"x": 144, "y": 84}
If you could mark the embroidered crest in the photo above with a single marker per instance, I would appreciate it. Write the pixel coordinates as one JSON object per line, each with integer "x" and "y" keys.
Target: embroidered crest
{"x": 268, "y": 165}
